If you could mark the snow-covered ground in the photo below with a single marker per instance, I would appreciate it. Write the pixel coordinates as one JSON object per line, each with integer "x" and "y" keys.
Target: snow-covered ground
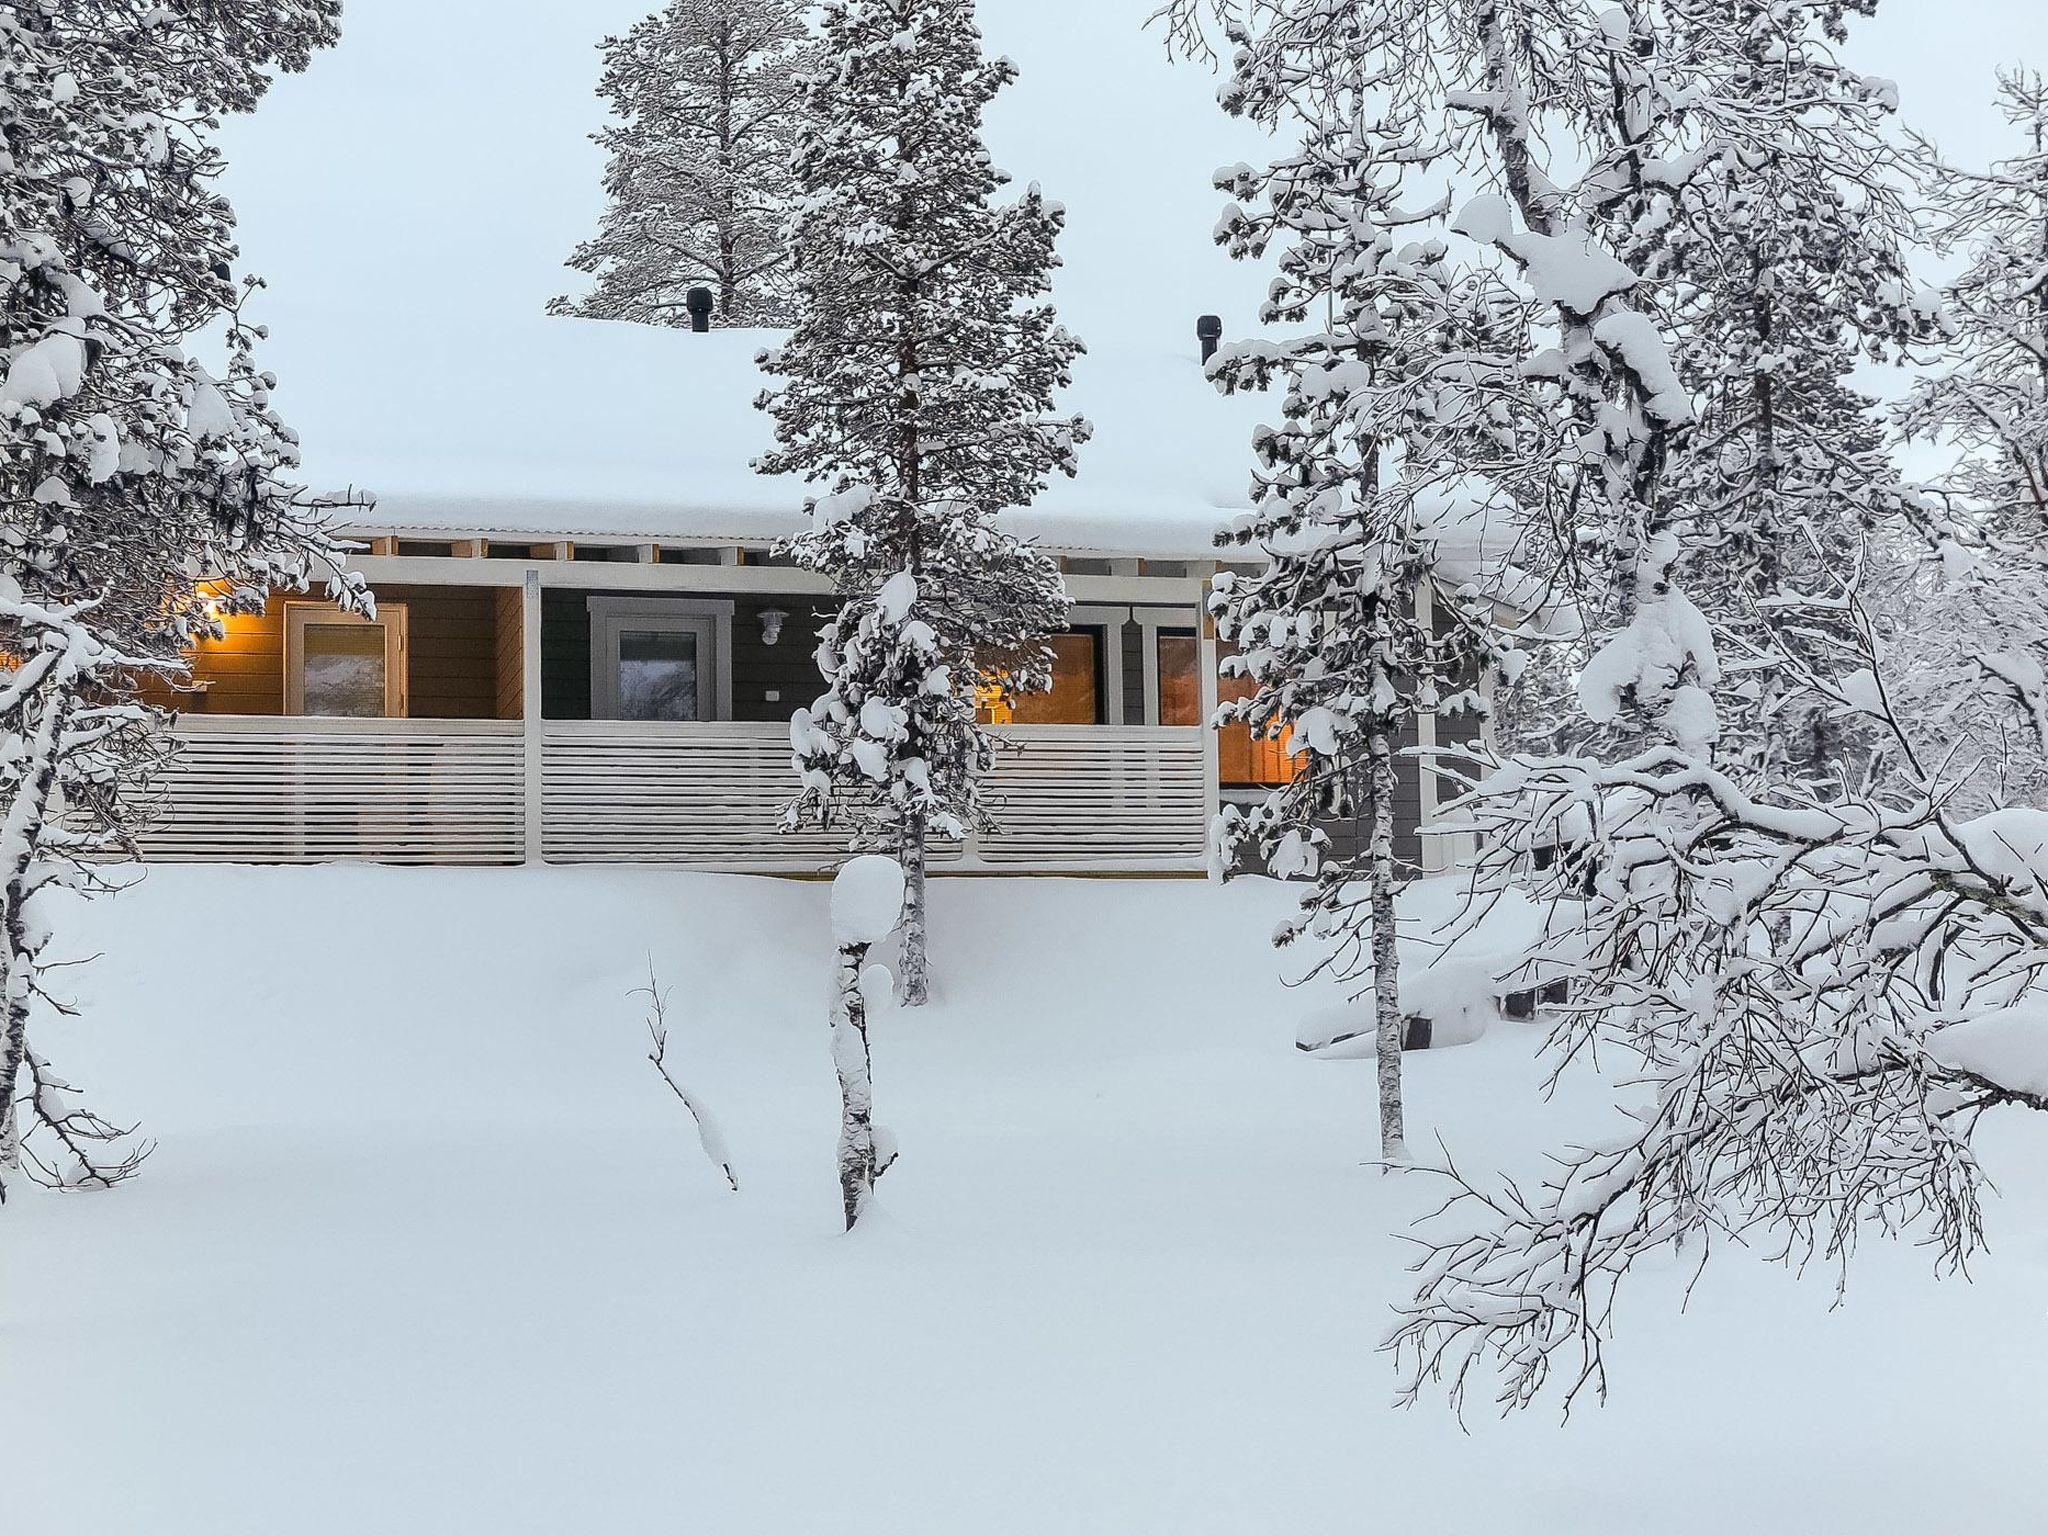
{"x": 428, "y": 1248}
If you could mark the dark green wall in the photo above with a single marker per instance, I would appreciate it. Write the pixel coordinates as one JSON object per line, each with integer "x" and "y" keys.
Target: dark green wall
{"x": 757, "y": 669}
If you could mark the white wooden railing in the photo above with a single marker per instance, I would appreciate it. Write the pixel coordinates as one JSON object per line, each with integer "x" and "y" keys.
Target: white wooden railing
{"x": 252, "y": 789}
{"x": 280, "y": 790}
{"x": 708, "y": 795}
{"x": 1098, "y": 797}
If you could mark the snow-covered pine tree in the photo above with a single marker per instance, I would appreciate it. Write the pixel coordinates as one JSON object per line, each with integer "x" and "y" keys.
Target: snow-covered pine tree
{"x": 1977, "y": 624}
{"x": 128, "y": 471}
{"x": 1787, "y": 255}
{"x": 919, "y": 388}
{"x": 1394, "y": 399}
{"x": 698, "y": 175}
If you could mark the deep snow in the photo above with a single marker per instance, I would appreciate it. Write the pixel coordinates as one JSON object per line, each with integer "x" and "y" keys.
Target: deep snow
{"x": 435, "y": 1251}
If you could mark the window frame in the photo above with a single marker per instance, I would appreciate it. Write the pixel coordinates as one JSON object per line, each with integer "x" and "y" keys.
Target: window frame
{"x": 1107, "y": 621}
{"x": 1153, "y": 622}
{"x": 708, "y": 618}
{"x": 390, "y": 618}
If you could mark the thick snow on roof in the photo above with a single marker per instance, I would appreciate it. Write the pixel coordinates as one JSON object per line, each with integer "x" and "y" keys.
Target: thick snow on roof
{"x": 587, "y": 428}
{"x": 412, "y": 197}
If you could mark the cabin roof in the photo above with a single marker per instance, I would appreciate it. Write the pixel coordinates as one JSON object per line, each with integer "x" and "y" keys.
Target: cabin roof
{"x": 584, "y": 429}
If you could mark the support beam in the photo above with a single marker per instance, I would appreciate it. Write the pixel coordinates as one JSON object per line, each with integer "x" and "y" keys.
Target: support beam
{"x": 778, "y": 580}
{"x": 529, "y": 713}
{"x": 1207, "y": 662}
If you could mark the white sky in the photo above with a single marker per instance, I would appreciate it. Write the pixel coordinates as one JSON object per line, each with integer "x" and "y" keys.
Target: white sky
{"x": 430, "y": 174}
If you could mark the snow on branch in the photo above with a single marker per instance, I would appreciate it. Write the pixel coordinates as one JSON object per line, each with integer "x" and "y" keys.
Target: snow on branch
{"x": 1805, "y": 1002}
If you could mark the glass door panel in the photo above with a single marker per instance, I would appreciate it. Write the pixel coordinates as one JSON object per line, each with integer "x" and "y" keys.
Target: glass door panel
{"x": 1180, "y": 679}
{"x": 345, "y": 671}
{"x": 660, "y": 674}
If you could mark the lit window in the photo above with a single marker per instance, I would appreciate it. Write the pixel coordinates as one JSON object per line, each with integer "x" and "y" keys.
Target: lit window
{"x": 344, "y": 664}
{"x": 1241, "y": 757}
{"x": 1075, "y": 695}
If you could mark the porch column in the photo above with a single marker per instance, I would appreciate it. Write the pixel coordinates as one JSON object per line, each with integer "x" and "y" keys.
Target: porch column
{"x": 529, "y": 711}
{"x": 1206, "y": 662}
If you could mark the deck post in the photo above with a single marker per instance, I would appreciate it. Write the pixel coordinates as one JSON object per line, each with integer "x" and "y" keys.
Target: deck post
{"x": 529, "y": 712}
{"x": 1206, "y": 662}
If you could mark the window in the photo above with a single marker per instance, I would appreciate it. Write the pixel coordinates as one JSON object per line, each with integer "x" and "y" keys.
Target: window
{"x": 660, "y": 659}
{"x": 1241, "y": 757}
{"x": 1076, "y": 693}
{"x": 344, "y": 664}
{"x": 1177, "y": 659}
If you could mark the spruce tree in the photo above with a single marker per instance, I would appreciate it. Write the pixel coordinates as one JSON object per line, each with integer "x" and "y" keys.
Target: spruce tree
{"x": 1970, "y": 637}
{"x": 918, "y": 388}
{"x": 1789, "y": 265}
{"x": 698, "y": 174}
{"x": 1402, "y": 386}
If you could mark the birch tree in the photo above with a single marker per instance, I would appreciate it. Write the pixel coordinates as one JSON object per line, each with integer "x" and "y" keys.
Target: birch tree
{"x": 698, "y": 176}
{"x": 1726, "y": 936}
{"x": 129, "y": 472}
{"x": 919, "y": 388}
{"x": 1811, "y": 986}
{"x": 867, "y": 904}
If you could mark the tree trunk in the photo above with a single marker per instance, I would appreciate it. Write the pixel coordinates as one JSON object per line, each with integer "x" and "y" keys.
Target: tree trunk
{"x": 23, "y": 832}
{"x": 856, "y": 1096}
{"x": 916, "y": 986}
{"x": 1386, "y": 964}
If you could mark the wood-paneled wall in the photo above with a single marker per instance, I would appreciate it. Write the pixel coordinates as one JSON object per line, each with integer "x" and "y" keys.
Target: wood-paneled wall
{"x": 510, "y": 606}
{"x": 455, "y": 645}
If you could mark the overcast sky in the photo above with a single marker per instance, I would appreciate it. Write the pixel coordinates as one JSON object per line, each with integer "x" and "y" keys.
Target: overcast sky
{"x": 435, "y": 168}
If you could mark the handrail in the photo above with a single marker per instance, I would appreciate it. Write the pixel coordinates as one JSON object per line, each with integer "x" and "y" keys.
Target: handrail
{"x": 338, "y": 726}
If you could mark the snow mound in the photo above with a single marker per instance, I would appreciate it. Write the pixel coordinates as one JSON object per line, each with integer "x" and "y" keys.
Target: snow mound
{"x": 867, "y": 899}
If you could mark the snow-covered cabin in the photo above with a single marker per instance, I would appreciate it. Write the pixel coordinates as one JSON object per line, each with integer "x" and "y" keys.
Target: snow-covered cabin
{"x": 585, "y": 647}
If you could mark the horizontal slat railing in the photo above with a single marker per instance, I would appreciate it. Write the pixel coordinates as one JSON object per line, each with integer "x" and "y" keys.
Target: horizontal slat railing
{"x": 253, "y": 789}
{"x": 1097, "y": 797}
{"x": 1066, "y": 798}
{"x": 282, "y": 790}
{"x": 706, "y": 795}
